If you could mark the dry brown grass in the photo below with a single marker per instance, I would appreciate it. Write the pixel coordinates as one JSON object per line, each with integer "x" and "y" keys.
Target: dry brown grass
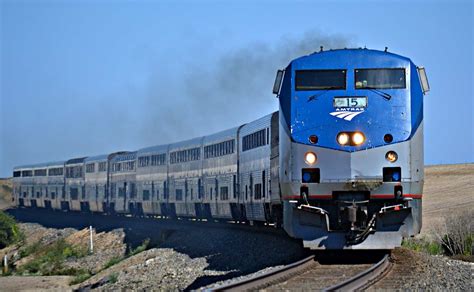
{"x": 449, "y": 189}
{"x": 457, "y": 233}
{"x": 5, "y": 193}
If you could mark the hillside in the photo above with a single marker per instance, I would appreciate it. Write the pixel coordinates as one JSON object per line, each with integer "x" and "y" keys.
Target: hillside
{"x": 5, "y": 193}
{"x": 448, "y": 189}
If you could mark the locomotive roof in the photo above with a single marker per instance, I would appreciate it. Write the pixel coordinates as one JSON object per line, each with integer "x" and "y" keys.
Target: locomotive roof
{"x": 331, "y": 58}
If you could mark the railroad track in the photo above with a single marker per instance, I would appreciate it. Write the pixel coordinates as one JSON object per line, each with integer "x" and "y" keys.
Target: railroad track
{"x": 308, "y": 274}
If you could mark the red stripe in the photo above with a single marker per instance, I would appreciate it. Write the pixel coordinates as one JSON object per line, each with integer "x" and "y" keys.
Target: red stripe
{"x": 414, "y": 196}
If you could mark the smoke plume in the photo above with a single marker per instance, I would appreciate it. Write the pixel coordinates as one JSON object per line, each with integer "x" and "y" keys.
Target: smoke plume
{"x": 234, "y": 90}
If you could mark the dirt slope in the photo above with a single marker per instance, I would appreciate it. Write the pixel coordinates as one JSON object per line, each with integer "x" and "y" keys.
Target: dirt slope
{"x": 448, "y": 189}
{"x": 5, "y": 193}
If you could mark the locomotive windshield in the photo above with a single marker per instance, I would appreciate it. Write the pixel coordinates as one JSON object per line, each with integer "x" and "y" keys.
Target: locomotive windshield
{"x": 320, "y": 79}
{"x": 379, "y": 78}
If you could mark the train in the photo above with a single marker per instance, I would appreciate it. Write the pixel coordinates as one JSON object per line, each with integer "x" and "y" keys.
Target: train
{"x": 338, "y": 166}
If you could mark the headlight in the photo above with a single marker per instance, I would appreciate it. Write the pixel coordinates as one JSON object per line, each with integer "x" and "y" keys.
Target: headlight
{"x": 310, "y": 158}
{"x": 391, "y": 156}
{"x": 343, "y": 138}
{"x": 358, "y": 138}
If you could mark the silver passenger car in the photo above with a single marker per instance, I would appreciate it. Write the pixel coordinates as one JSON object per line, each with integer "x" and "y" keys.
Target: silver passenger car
{"x": 123, "y": 191}
{"x": 39, "y": 185}
{"x": 55, "y": 185}
{"x": 75, "y": 195}
{"x": 96, "y": 182}
{"x": 184, "y": 172}
{"x": 219, "y": 195}
{"x": 152, "y": 179}
{"x": 24, "y": 186}
{"x": 255, "y": 168}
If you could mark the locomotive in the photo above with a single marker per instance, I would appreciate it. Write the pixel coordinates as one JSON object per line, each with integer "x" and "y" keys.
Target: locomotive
{"x": 339, "y": 166}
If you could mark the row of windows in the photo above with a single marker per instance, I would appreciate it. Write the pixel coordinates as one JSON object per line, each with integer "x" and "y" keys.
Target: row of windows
{"x": 102, "y": 166}
{"x": 73, "y": 191}
{"x": 55, "y": 171}
{"x": 256, "y": 139}
{"x": 71, "y": 172}
{"x": 53, "y": 191}
{"x": 250, "y": 141}
{"x": 185, "y": 155}
{"x": 257, "y": 192}
{"x": 123, "y": 166}
{"x": 224, "y": 194}
{"x": 27, "y": 173}
{"x": 74, "y": 171}
{"x": 219, "y": 149}
{"x": 153, "y": 160}
{"x": 40, "y": 172}
{"x": 90, "y": 167}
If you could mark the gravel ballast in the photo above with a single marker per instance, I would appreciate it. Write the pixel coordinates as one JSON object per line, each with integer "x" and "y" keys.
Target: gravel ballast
{"x": 419, "y": 271}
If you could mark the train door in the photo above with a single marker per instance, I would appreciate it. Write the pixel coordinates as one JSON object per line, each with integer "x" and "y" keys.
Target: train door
{"x": 216, "y": 200}
{"x": 124, "y": 194}
{"x": 154, "y": 198}
{"x": 186, "y": 198}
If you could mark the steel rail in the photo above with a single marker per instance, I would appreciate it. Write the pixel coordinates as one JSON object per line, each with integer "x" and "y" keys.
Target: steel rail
{"x": 363, "y": 279}
{"x": 267, "y": 278}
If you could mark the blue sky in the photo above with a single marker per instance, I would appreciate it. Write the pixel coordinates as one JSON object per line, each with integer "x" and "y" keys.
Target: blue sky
{"x": 82, "y": 78}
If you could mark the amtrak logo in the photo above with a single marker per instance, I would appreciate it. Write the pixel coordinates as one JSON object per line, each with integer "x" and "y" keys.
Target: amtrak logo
{"x": 346, "y": 114}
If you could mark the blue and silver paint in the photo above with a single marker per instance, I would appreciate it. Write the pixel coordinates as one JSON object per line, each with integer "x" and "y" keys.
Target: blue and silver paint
{"x": 351, "y": 169}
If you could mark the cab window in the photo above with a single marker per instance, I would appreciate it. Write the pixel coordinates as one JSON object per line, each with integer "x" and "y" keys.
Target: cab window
{"x": 392, "y": 78}
{"x": 320, "y": 79}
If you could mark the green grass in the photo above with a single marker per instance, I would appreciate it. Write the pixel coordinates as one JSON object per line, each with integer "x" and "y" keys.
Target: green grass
{"x": 112, "y": 262}
{"x": 50, "y": 259}
{"x": 30, "y": 249}
{"x": 115, "y": 260}
{"x": 113, "y": 278}
{"x": 423, "y": 245}
{"x": 140, "y": 248}
{"x": 81, "y": 277}
{"x": 9, "y": 231}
